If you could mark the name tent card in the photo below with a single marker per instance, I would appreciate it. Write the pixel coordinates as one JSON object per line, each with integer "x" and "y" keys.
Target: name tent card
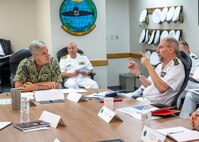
{"x": 150, "y": 135}
{"x": 52, "y": 118}
{"x": 75, "y": 97}
{"x": 49, "y": 96}
{"x": 108, "y": 115}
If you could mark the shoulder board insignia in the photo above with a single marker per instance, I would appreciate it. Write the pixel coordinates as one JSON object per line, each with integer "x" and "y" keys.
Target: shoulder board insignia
{"x": 175, "y": 62}
{"x": 64, "y": 57}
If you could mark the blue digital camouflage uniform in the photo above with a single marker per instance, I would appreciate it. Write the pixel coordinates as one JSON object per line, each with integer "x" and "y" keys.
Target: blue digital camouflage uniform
{"x": 28, "y": 72}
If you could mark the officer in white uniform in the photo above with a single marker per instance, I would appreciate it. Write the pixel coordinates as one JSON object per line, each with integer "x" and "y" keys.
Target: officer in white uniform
{"x": 191, "y": 98}
{"x": 76, "y": 69}
{"x": 164, "y": 82}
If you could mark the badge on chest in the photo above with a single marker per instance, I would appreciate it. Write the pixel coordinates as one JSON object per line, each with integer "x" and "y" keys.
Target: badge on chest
{"x": 162, "y": 74}
{"x": 82, "y": 63}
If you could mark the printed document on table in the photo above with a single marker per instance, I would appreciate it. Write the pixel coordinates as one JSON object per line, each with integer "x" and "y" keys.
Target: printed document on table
{"x": 136, "y": 111}
{"x": 180, "y": 134}
{"x": 46, "y": 95}
{"x": 73, "y": 90}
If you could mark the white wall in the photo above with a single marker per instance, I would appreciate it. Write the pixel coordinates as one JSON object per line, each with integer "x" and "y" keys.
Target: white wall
{"x": 18, "y": 22}
{"x": 43, "y": 23}
{"x": 93, "y": 44}
{"x": 25, "y": 20}
{"x": 117, "y": 21}
{"x": 190, "y": 26}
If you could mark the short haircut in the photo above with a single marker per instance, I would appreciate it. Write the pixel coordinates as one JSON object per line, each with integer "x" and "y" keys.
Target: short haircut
{"x": 35, "y": 46}
{"x": 72, "y": 43}
{"x": 172, "y": 41}
{"x": 184, "y": 43}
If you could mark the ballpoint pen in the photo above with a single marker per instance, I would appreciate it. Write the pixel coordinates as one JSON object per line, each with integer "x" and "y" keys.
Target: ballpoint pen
{"x": 175, "y": 132}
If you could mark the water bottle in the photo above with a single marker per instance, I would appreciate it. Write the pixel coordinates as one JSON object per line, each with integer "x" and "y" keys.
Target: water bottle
{"x": 25, "y": 108}
{"x": 146, "y": 116}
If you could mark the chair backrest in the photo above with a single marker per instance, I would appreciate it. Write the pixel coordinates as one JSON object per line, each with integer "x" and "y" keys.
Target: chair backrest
{"x": 15, "y": 59}
{"x": 63, "y": 52}
{"x": 186, "y": 60}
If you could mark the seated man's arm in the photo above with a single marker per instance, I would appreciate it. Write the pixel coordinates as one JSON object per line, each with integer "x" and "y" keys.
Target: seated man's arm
{"x": 63, "y": 67}
{"x": 157, "y": 81}
{"x": 69, "y": 74}
{"x": 134, "y": 68}
{"x": 194, "y": 119}
{"x": 29, "y": 87}
{"x": 26, "y": 87}
{"x": 52, "y": 83}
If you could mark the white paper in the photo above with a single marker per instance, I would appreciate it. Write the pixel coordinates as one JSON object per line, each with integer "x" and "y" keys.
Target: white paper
{"x": 28, "y": 95}
{"x": 180, "y": 133}
{"x": 136, "y": 113}
{"x": 72, "y": 90}
{"x": 5, "y": 101}
{"x": 81, "y": 68}
{"x": 97, "y": 94}
{"x": 4, "y": 124}
{"x": 73, "y": 96}
{"x": 46, "y": 95}
{"x": 150, "y": 135}
{"x": 51, "y": 118}
{"x": 37, "y": 129}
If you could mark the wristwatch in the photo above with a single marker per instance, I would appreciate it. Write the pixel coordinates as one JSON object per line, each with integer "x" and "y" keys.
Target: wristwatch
{"x": 140, "y": 75}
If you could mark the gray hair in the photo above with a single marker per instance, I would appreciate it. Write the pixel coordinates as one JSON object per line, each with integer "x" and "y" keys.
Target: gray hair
{"x": 35, "y": 46}
{"x": 172, "y": 41}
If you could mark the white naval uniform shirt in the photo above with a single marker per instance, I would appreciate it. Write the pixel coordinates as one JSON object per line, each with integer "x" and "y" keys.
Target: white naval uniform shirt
{"x": 80, "y": 63}
{"x": 1, "y": 51}
{"x": 173, "y": 75}
{"x": 195, "y": 63}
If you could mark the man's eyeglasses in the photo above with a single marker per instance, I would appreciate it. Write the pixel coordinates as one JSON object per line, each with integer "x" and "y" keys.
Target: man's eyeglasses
{"x": 160, "y": 47}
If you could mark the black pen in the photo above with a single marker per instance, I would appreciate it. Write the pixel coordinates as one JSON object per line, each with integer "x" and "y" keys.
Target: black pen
{"x": 175, "y": 132}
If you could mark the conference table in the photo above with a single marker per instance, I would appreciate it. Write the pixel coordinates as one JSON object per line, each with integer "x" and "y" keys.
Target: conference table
{"x": 82, "y": 122}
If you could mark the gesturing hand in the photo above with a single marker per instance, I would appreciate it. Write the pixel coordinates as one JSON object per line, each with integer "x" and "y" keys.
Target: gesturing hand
{"x": 144, "y": 60}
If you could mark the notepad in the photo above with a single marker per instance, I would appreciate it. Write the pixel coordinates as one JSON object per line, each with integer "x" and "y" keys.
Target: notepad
{"x": 180, "y": 134}
{"x": 4, "y": 125}
{"x": 32, "y": 126}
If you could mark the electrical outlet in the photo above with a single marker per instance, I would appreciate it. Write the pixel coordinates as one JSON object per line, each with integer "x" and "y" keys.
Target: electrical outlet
{"x": 112, "y": 37}
{"x": 116, "y": 37}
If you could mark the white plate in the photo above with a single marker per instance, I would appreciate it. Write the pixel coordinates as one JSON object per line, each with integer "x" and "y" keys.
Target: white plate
{"x": 177, "y": 35}
{"x": 152, "y": 37}
{"x": 170, "y": 14}
{"x": 146, "y": 36}
{"x": 143, "y": 16}
{"x": 172, "y": 33}
{"x": 164, "y": 34}
{"x": 157, "y": 37}
{"x": 154, "y": 59}
{"x": 176, "y": 14}
{"x": 156, "y": 16}
{"x": 142, "y": 36}
{"x": 164, "y": 14}
{"x": 148, "y": 54}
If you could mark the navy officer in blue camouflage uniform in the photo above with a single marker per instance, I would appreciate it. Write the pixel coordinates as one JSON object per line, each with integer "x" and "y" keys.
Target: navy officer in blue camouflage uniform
{"x": 38, "y": 72}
